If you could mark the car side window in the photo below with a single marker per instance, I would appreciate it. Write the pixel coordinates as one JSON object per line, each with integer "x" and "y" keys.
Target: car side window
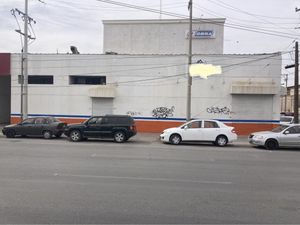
{"x": 105, "y": 121}
{"x": 93, "y": 121}
{"x": 40, "y": 121}
{"x": 210, "y": 124}
{"x": 28, "y": 121}
{"x": 297, "y": 128}
{"x": 194, "y": 125}
{"x": 294, "y": 130}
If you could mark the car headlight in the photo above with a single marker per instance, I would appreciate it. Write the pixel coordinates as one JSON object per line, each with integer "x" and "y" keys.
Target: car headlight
{"x": 259, "y": 137}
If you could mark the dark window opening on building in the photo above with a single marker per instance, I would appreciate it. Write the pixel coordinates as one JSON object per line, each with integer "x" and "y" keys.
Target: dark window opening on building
{"x": 88, "y": 80}
{"x": 38, "y": 79}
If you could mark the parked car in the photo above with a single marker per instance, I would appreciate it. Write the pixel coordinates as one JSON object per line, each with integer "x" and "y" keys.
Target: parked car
{"x": 200, "y": 131}
{"x": 118, "y": 127}
{"x": 286, "y": 119}
{"x": 285, "y": 135}
{"x": 46, "y": 127}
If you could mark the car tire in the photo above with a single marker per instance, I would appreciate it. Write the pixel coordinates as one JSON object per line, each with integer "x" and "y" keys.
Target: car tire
{"x": 10, "y": 133}
{"x": 119, "y": 136}
{"x": 221, "y": 141}
{"x": 271, "y": 144}
{"x": 75, "y": 135}
{"x": 175, "y": 139}
{"x": 47, "y": 134}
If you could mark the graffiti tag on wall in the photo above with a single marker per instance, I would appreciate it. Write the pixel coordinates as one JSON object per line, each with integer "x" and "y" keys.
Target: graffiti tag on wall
{"x": 218, "y": 110}
{"x": 133, "y": 113}
{"x": 163, "y": 112}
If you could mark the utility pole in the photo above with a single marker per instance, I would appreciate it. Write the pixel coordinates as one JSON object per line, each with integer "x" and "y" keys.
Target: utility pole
{"x": 25, "y": 64}
{"x": 189, "y": 80}
{"x": 285, "y": 97}
{"x": 296, "y": 83}
{"x": 22, "y": 81}
{"x": 296, "y": 90}
{"x": 160, "y": 9}
{"x": 24, "y": 60}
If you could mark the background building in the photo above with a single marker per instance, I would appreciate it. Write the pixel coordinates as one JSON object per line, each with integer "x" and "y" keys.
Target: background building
{"x": 144, "y": 74}
{"x": 151, "y": 88}
{"x": 163, "y": 36}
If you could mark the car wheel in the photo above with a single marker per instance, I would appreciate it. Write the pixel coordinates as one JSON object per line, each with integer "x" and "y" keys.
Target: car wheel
{"x": 119, "y": 136}
{"x": 47, "y": 134}
{"x": 75, "y": 135}
{"x": 10, "y": 134}
{"x": 221, "y": 141}
{"x": 175, "y": 139}
{"x": 271, "y": 145}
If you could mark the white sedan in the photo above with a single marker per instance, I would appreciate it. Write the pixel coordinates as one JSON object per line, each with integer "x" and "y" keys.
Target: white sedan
{"x": 200, "y": 131}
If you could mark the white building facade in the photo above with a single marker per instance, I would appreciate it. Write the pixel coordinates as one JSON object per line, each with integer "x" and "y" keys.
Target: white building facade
{"x": 151, "y": 88}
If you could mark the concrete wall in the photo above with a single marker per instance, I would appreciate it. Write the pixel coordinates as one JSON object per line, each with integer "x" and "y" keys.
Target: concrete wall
{"x": 161, "y": 36}
{"x": 149, "y": 86}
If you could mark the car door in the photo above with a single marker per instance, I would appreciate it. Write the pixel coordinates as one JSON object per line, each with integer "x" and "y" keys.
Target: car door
{"x": 26, "y": 127}
{"x": 107, "y": 126}
{"x": 93, "y": 127}
{"x": 290, "y": 137}
{"x": 38, "y": 127}
{"x": 192, "y": 131}
{"x": 210, "y": 130}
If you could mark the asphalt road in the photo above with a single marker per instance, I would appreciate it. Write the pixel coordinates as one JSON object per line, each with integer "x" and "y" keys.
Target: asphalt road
{"x": 144, "y": 181}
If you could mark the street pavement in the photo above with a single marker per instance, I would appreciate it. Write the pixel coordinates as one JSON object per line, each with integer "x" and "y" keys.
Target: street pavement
{"x": 146, "y": 182}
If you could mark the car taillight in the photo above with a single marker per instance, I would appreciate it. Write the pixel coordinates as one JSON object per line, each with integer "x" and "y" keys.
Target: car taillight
{"x": 133, "y": 128}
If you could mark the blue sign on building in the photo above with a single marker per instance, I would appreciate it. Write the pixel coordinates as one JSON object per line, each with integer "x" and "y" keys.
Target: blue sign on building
{"x": 198, "y": 34}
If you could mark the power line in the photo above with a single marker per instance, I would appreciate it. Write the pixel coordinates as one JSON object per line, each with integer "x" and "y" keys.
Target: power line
{"x": 225, "y": 5}
{"x": 234, "y": 26}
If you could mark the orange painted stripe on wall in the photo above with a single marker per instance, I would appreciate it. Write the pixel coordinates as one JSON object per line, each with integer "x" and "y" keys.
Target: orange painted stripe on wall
{"x": 248, "y": 128}
{"x": 155, "y": 126}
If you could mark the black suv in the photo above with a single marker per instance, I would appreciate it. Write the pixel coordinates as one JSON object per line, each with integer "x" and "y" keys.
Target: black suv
{"x": 118, "y": 127}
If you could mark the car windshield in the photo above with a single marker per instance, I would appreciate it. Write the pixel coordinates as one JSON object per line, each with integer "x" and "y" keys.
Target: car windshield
{"x": 279, "y": 128}
{"x": 286, "y": 119}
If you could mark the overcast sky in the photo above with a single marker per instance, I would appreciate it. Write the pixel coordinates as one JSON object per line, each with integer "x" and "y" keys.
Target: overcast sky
{"x": 61, "y": 23}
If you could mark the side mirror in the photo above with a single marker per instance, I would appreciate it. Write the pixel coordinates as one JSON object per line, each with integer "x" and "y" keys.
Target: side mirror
{"x": 287, "y": 132}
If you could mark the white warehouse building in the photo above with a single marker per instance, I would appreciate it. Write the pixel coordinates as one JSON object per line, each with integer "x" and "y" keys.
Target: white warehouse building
{"x": 143, "y": 73}
{"x": 151, "y": 88}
